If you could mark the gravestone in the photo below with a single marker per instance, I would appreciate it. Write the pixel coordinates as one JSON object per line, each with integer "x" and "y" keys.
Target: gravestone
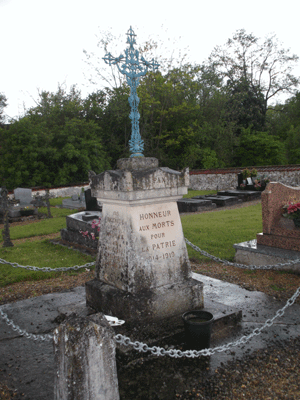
{"x": 142, "y": 269}
{"x": 91, "y": 202}
{"x": 280, "y": 240}
{"x": 278, "y": 231}
{"x": 24, "y": 196}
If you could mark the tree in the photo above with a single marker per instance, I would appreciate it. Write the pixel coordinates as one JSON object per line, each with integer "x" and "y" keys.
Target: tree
{"x": 244, "y": 106}
{"x": 53, "y": 144}
{"x": 264, "y": 65}
{"x": 259, "y": 148}
{"x": 169, "y": 113}
{"x": 3, "y": 104}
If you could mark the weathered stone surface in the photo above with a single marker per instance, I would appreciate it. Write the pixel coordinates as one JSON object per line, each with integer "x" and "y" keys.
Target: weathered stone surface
{"x": 148, "y": 305}
{"x": 77, "y": 221}
{"x": 137, "y": 163}
{"x": 73, "y": 238}
{"x": 81, "y": 221}
{"x": 224, "y": 180}
{"x": 85, "y": 360}
{"x": 125, "y": 185}
{"x": 142, "y": 247}
{"x": 142, "y": 266}
{"x": 251, "y": 253}
{"x": 277, "y": 231}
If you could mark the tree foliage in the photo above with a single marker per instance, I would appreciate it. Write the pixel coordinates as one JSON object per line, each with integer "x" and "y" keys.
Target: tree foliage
{"x": 203, "y": 116}
{"x": 53, "y": 144}
{"x": 3, "y": 104}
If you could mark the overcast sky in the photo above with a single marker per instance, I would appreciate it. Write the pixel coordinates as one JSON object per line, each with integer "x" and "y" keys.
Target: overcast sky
{"x": 42, "y": 41}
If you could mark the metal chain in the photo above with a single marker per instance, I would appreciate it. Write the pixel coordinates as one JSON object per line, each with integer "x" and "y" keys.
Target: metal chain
{"x": 217, "y": 259}
{"x": 203, "y": 252}
{"x": 159, "y": 351}
{"x": 47, "y": 269}
{"x": 22, "y": 332}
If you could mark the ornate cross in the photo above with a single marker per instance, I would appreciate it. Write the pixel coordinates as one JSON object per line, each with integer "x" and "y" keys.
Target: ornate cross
{"x": 133, "y": 68}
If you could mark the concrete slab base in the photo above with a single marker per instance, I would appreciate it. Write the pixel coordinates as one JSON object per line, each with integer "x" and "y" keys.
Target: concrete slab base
{"x": 146, "y": 306}
{"x": 251, "y": 253}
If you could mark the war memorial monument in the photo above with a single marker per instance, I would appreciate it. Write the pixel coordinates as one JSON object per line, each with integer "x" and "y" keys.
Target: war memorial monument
{"x": 143, "y": 271}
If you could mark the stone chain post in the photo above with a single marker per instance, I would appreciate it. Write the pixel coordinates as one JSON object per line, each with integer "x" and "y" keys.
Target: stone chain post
{"x": 85, "y": 360}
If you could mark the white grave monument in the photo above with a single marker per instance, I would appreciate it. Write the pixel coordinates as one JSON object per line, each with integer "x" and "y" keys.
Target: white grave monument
{"x": 142, "y": 268}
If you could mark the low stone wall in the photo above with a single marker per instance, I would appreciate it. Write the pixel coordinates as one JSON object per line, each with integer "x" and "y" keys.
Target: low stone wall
{"x": 222, "y": 179}
{"x": 62, "y": 192}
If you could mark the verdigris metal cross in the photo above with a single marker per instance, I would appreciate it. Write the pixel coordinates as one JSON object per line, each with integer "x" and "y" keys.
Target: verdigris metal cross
{"x": 133, "y": 68}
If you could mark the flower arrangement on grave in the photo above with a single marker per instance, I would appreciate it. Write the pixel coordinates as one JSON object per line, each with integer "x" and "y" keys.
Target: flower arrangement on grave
{"x": 292, "y": 211}
{"x": 243, "y": 185}
{"x": 257, "y": 184}
{"x": 95, "y": 224}
{"x": 247, "y": 173}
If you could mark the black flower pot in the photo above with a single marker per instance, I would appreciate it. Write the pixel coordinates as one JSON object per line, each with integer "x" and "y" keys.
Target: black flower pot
{"x": 197, "y": 326}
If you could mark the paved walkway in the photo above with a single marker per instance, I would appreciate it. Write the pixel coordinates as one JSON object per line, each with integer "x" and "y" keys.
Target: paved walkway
{"x": 28, "y": 365}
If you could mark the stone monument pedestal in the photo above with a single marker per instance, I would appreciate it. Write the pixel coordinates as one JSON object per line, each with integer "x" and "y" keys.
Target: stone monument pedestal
{"x": 142, "y": 269}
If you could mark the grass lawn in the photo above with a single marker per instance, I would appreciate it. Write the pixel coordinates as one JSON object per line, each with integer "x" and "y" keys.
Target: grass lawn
{"x": 192, "y": 193}
{"x": 214, "y": 232}
{"x": 39, "y": 253}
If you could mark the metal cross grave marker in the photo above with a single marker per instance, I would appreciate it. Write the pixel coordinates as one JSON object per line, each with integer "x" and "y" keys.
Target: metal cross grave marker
{"x": 133, "y": 68}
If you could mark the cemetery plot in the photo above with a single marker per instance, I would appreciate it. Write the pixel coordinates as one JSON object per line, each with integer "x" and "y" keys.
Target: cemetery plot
{"x": 244, "y": 195}
{"x": 221, "y": 201}
{"x": 194, "y": 205}
{"x": 82, "y": 229}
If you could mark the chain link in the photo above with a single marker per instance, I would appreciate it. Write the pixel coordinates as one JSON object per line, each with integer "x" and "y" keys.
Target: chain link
{"x": 159, "y": 351}
{"x": 217, "y": 259}
{"x": 22, "y": 332}
{"x": 47, "y": 269}
{"x": 203, "y": 252}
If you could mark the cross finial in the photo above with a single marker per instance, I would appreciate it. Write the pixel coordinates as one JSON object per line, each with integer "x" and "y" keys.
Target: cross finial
{"x": 133, "y": 68}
